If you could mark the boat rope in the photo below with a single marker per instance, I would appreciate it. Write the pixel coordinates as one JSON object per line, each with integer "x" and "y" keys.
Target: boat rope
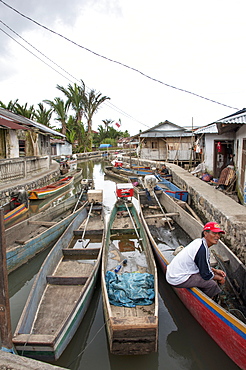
{"x": 92, "y": 340}
{"x": 243, "y": 318}
{"x": 221, "y": 265}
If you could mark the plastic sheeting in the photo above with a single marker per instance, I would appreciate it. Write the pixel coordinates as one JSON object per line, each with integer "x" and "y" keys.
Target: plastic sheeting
{"x": 130, "y": 289}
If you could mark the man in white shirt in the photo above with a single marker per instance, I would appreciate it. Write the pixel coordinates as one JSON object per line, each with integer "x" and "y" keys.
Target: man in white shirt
{"x": 191, "y": 267}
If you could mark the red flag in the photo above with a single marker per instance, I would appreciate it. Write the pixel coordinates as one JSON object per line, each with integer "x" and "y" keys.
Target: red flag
{"x": 117, "y": 124}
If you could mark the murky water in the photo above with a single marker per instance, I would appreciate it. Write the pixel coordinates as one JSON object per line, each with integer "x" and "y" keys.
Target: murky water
{"x": 183, "y": 344}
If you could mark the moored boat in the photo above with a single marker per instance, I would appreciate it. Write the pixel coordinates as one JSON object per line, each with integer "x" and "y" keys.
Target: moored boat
{"x": 63, "y": 288}
{"x": 225, "y": 320}
{"x": 16, "y": 209}
{"x": 29, "y": 237}
{"x": 51, "y": 189}
{"x": 129, "y": 281}
{"x": 132, "y": 175}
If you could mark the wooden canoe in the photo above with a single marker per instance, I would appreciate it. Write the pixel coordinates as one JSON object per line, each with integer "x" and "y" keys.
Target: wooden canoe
{"x": 224, "y": 321}
{"x": 125, "y": 174}
{"x": 51, "y": 189}
{"x": 63, "y": 288}
{"x": 131, "y": 330}
{"x": 16, "y": 210}
{"x": 29, "y": 237}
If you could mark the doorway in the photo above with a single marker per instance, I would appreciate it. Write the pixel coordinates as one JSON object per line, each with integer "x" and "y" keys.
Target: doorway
{"x": 222, "y": 151}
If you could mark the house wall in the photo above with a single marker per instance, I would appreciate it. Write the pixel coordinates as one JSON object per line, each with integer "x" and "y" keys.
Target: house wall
{"x": 209, "y": 151}
{"x": 66, "y": 149}
{"x": 12, "y": 144}
{"x": 166, "y": 149}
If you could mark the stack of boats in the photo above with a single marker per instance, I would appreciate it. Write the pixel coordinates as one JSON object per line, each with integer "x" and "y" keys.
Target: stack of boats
{"x": 125, "y": 244}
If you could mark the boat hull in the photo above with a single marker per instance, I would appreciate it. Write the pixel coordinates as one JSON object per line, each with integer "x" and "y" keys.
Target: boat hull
{"x": 131, "y": 331}
{"x": 61, "y": 294}
{"x": 15, "y": 214}
{"x": 49, "y": 190}
{"x": 224, "y": 328}
{"x": 22, "y": 251}
{"x": 227, "y": 332}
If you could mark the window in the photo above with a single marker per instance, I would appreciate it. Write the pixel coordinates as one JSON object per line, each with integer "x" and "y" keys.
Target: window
{"x": 154, "y": 145}
{"x": 22, "y": 151}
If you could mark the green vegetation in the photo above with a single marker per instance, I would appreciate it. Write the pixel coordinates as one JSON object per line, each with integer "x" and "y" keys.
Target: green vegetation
{"x": 74, "y": 114}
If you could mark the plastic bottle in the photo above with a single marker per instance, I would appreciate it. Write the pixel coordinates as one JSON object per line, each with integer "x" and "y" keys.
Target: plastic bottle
{"x": 117, "y": 269}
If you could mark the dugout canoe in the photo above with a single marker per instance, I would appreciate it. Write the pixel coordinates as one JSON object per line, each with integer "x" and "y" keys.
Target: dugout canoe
{"x": 29, "y": 237}
{"x": 132, "y": 319}
{"x": 126, "y": 174}
{"x": 63, "y": 288}
{"x": 51, "y": 189}
{"x": 224, "y": 321}
{"x": 16, "y": 209}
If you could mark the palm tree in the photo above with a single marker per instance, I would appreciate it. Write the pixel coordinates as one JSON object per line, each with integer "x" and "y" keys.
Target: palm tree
{"x": 75, "y": 97}
{"x": 92, "y": 102}
{"x": 60, "y": 108}
{"x": 107, "y": 122}
{"x": 43, "y": 115}
{"x": 24, "y": 111}
{"x": 10, "y": 106}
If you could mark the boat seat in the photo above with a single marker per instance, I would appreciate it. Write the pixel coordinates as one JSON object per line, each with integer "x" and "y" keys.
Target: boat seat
{"x": 80, "y": 253}
{"x": 66, "y": 280}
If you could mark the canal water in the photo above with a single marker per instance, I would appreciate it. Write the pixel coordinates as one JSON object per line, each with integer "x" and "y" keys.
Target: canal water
{"x": 183, "y": 343}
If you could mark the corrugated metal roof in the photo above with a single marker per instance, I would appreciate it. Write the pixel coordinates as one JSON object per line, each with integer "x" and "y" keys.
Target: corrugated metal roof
{"x": 240, "y": 119}
{"x": 209, "y": 129}
{"x": 5, "y": 122}
{"x": 27, "y": 122}
{"x": 166, "y": 134}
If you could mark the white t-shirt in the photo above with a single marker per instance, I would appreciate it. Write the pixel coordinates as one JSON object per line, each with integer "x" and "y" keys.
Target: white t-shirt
{"x": 192, "y": 259}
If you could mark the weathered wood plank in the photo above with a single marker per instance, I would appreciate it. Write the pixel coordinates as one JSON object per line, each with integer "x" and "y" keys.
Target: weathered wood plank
{"x": 42, "y": 223}
{"x": 162, "y": 215}
{"x": 91, "y": 253}
{"x": 66, "y": 280}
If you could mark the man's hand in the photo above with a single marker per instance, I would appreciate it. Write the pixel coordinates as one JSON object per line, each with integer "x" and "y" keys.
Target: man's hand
{"x": 219, "y": 276}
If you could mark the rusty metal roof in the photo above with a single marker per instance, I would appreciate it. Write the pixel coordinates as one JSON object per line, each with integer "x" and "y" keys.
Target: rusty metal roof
{"x": 27, "y": 122}
{"x": 7, "y": 123}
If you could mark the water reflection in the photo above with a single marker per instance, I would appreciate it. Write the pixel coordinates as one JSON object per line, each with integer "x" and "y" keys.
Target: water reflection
{"x": 183, "y": 344}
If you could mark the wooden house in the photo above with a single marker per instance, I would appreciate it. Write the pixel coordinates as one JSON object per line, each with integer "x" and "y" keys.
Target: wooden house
{"x": 167, "y": 142}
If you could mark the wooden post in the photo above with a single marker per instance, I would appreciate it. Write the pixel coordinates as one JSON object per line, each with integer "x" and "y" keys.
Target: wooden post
{"x": 5, "y": 320}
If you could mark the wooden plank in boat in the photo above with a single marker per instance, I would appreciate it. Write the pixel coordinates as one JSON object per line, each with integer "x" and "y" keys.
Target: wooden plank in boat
{"x": 81, "y": 253}
{"x": 43, "y": 223}
{"x": 35, "y": 339}
{"x": 163, "y": 215}
{"x": 66, "y": 280}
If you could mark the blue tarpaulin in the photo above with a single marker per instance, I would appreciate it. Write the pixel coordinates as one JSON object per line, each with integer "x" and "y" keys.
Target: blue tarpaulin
{"x": 130, "y": 289}
{"x": 105, "y": 145}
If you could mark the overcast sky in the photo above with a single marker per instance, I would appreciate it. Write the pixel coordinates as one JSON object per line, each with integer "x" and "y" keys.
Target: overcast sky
{"x": 190, "y": 45}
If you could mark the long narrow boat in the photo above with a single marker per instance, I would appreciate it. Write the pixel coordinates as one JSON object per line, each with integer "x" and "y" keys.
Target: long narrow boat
{"x": 164, "y": 184}
{"x": 51, "y": 189}
{"x": 129, "y": 281}
{"x": 16, "y": 209}
{"x": 29, "y": 237}
{"x": 224, "y": 321}
{"x": 63, "y": 288}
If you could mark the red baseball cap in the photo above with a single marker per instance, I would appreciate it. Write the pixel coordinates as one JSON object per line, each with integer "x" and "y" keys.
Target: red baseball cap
{"x": 213, "y": 226}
